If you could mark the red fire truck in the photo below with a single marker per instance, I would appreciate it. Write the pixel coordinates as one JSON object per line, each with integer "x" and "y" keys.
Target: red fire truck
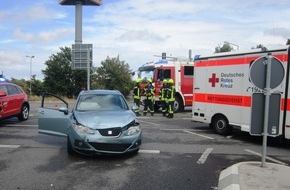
{"x": 180, "y": 70}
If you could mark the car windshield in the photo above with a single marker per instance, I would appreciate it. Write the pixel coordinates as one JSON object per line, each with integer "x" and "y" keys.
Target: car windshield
{"x": 146, "y": 72}
{"x": 101, "y": 102}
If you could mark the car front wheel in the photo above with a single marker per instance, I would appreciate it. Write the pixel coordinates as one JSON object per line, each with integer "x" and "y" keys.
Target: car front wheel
{"x": 24, "y": 114}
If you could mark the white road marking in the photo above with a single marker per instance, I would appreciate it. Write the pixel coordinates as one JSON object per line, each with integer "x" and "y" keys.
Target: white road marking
{"x": 197, "y": 130}
{"x": 204, "y": 136}
{"x": 14, "y": 125}
{"x": 149, "y": 123}
{"x": 9, "y": 146}
{"x": 267, "y": 157}
{"x": 150, "y": 151}
{"x": 204, "y": 156}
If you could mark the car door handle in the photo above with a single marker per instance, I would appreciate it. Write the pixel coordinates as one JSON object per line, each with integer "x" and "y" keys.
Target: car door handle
{"x": 197, "y": 88}
{"x": 41, "y": 112}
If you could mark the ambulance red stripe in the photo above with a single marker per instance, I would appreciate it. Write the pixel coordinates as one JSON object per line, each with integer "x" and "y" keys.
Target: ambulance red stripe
{"x": 235, "y": 61}
{"x": 233, "y": 100}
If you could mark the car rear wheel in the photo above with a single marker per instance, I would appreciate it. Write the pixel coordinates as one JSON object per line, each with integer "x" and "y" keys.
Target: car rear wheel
{"x": 24, "y": 114}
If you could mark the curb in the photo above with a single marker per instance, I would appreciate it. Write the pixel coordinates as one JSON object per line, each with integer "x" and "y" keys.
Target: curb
{"x": 250, "y": 175}
{"x": 229, "y": 178}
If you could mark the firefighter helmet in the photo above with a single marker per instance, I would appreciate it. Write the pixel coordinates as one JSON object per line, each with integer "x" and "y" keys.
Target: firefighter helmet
{"x": 138, "y": 80}
{"x": 170, "y": 81}
{"x": 165, "y": 81}
{"x": 149, "y": 80}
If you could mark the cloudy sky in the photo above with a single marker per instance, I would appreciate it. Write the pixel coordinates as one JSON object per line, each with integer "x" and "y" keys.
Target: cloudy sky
{"x": 136, "y": 30}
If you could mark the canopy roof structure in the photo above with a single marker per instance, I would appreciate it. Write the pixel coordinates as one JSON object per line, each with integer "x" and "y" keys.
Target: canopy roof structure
{"x": 84, "y": 2}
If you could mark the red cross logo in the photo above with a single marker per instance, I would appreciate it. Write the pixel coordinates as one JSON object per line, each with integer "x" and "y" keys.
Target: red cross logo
{"x": 213, "y": 80}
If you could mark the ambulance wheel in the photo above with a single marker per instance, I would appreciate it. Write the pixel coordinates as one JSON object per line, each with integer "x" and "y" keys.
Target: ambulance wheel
{"x": 221, "y": 125}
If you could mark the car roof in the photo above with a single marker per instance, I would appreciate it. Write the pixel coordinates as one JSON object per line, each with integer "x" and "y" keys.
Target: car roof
{"x": 113, "y": 92}
{"x": 5, "y": 83}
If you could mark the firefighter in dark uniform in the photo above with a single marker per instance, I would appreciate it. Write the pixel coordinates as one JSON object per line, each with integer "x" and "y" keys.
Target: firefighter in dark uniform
{"x": 137, "y": 95}
{"x": 170, "y": 97}
{"x": 149, "y": 92}
{"x": 162, "y": 97}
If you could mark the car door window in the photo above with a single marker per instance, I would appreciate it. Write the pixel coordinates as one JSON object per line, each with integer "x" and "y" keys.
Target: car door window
{"x": 12, "y": 90}
{"x": 3, "y": 88}
{"x": 51, "y": 101}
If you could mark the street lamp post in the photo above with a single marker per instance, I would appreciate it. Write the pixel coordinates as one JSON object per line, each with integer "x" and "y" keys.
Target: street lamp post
{"x": 31, "y": 57}
{"x": 233, "y": 45}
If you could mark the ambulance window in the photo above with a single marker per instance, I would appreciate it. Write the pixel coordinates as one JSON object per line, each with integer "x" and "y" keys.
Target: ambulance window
{"x": 188, "y": 70}
{"x": 167, "y": 74}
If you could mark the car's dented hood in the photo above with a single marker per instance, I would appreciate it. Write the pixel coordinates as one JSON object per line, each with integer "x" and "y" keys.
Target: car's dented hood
{"x": 104, "y": 119}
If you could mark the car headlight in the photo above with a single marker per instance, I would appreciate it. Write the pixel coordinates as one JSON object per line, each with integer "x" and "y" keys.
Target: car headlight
{"x": 82, "y": 129}
{"x": 134, "y": 128}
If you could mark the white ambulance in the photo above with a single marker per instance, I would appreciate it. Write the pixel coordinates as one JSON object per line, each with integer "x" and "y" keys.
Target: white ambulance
{"x": 222, "y": 93}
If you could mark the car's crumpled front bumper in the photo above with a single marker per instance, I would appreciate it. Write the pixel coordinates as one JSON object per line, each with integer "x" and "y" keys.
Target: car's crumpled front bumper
{"x": 91, "y": 144}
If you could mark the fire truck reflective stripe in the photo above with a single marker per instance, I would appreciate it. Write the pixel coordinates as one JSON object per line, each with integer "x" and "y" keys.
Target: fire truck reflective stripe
{"x": 188, "y": 99}
{"x": 233, "y": 100}
{"x": 237, "y": 61}
{"x": 287, "y": 106}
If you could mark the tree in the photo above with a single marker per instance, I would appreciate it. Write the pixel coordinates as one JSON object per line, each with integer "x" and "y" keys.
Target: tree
{"x": 59, "y": 78}
{"x": 225, "y": 48}
{"x": 37, "y": 86}
{"x": 22, "y": 83}
{"x": 260, "y": 46}
{"x": 113, "y": 74}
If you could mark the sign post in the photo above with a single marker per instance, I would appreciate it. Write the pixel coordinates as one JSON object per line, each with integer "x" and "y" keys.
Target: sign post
{"x": 266, "y": 73}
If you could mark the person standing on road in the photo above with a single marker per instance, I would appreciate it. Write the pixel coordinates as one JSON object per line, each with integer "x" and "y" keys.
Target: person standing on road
{"x": 162, "y": 97}
{"x": 137, "y": 95}
{"x": 170, "y": 98}
{"x": 149, "y": 99}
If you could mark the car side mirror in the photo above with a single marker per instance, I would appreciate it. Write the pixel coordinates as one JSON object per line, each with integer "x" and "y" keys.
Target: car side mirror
{"x": 64, "y": 110}
{"x": 3, "y": 93}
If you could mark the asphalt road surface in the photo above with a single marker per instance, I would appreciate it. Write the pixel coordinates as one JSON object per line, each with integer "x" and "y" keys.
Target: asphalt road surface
{"x": 175, "y": 154}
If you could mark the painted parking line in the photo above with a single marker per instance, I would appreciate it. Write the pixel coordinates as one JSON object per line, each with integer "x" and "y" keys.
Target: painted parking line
{"x": 156, "y": 124}
{"x": 204, "y": 136}
{"x": 204, "y": 156}
{"x": 150, "y": 151}
{"x": 186, "y": 118}
{"x": 180, "y": 129}
{"x": 9, "y": 146}
{"x": 16, "y": 125}
{"x": 267, "y": 157}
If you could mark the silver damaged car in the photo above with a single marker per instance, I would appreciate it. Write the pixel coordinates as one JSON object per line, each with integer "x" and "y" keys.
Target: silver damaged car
{"x": 101, "y": 122}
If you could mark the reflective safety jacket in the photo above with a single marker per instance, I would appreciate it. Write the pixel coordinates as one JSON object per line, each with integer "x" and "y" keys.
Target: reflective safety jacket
{"x": 163, "y": 92}
{"x": 171, "y": 94}
{"x": 137, "y": 92}
{"x": 149, "y": 92}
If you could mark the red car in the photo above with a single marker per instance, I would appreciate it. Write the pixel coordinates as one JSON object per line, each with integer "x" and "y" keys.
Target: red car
{"x": 13, "y": 102}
